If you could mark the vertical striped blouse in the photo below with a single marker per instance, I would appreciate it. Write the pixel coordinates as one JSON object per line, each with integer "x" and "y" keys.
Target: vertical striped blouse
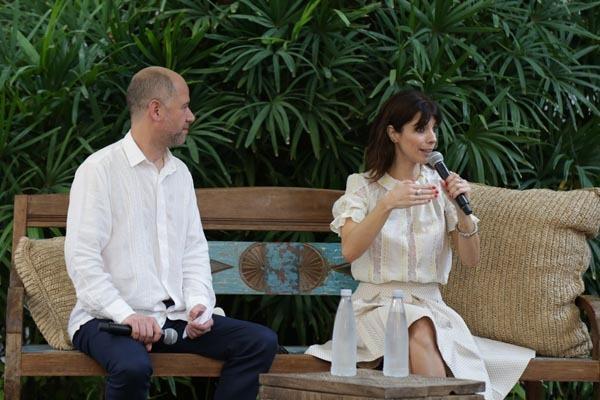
{"x": 414, "y": 243}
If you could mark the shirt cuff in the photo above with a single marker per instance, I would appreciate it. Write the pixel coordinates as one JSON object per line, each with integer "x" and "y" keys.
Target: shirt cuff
{"x": 119, "y": 310}
{"x": 195, "y": 300}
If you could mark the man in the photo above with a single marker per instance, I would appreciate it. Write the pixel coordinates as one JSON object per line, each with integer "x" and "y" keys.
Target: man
{"x": 137, "y": 254}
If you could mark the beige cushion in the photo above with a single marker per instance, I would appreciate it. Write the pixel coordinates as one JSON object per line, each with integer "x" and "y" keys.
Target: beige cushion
{"x": 533, "y": 254}
{"x": 50, "y": 292}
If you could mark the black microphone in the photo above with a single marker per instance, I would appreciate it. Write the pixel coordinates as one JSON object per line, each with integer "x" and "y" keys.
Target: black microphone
{"x": 436, "y": 161}
{"x": 169, "y": 334}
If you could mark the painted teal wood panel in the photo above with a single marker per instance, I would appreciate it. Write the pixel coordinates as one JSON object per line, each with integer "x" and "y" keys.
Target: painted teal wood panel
{"x": 282, "y": 266}
{"x": 275, "y": 267}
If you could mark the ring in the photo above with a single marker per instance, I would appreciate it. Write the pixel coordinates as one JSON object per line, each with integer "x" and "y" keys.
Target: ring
{"x": 418, "y": 192}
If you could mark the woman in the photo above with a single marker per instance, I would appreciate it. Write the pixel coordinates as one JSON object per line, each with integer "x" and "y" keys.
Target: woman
{"x": 398, "y": 223}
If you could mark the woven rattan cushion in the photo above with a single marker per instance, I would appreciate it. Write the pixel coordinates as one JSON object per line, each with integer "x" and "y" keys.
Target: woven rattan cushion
{"x": 50, "y": 292}
{"x": 533, "y": 254}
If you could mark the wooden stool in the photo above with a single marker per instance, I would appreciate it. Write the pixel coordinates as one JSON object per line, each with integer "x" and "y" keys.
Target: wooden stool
{"x": 366, "y": 385}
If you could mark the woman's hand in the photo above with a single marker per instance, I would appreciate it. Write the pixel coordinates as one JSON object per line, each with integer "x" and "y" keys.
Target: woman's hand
{"x": 408, "y": 193}
{"x": 466, "y": 245}
{"x": 455, "y": 185}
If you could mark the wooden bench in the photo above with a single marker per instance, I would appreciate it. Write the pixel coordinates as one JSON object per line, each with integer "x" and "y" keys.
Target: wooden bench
{"x": 242, "y": 209}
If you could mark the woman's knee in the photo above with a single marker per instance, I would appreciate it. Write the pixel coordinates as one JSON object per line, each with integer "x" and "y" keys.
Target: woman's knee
{"x": 422, "y": 334}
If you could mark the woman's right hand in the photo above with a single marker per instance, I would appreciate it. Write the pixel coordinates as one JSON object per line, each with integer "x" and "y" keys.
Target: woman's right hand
{"x": 409, "y": 193}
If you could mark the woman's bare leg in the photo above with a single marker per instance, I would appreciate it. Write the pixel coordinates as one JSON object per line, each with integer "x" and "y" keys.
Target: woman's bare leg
{"x": 425, "y": 358}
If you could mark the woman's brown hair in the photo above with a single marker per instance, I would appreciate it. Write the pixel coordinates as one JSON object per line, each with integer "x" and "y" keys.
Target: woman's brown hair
{"x": 397, "y": 111}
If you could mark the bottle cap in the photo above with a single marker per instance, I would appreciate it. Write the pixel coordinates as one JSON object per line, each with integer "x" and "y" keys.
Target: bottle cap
{"x": 398, "y": 293}
{"x": 346, "y": 292}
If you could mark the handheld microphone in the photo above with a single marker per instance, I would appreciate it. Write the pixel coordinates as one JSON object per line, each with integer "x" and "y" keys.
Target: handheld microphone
{"x": 436, "y": 161}
{"x": 169, "y": 334}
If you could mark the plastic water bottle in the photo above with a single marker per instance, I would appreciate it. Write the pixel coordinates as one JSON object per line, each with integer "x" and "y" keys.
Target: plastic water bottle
{"x": 343, "y": 360}
{"x": 395, "y": 353}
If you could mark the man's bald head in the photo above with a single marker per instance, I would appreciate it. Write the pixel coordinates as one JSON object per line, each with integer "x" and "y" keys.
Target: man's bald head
{"x": 147, "y": 84}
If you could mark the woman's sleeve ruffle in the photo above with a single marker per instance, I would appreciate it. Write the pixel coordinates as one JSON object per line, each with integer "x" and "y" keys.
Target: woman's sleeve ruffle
{"x": 353, "y": 204}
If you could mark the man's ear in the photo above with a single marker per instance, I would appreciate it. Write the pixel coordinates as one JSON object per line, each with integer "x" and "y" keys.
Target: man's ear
{"x": 154, "y": 110}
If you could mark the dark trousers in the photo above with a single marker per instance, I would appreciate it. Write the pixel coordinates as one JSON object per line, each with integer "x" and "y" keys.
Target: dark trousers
{"x": 247, "y": 348}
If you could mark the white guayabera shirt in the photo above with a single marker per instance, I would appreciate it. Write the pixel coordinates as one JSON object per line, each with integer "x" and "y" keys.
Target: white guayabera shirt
{"x": 134, "y": 238}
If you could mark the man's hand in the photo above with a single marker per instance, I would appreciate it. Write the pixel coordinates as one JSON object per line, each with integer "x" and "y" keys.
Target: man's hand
{"x": 144, "y": 329}
{"x": 195, "y": 329}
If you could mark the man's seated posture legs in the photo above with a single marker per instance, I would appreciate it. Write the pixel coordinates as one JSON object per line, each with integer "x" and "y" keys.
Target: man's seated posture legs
{"x": 137, "y": 254}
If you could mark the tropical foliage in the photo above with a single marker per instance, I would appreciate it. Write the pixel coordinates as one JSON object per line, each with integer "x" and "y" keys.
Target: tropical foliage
{"x": 284, "y": 91}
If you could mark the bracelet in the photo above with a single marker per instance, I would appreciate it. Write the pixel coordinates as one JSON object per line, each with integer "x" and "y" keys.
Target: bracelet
{"x": 468, "y": 234}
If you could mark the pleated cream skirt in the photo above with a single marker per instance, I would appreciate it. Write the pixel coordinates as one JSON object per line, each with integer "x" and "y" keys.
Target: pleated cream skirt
{"x": 497, "y": 364}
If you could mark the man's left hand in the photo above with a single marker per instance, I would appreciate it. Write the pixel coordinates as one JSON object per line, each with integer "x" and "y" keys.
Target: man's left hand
{"x": 195, "y": 329}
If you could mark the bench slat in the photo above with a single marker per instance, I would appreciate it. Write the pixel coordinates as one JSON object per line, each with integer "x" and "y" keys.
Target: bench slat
{"x": 74, "y": 363}
{"x": 246, "y": 208}
{"x": 562, "y": 369}
{"x": 41, "y": 360}
{"x": 267, "y": 208}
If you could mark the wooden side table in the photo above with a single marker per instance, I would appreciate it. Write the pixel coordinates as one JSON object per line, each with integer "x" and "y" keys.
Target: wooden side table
{"x": 366, "y": 385}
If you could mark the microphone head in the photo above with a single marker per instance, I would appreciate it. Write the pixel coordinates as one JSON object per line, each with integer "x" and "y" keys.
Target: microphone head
{"x": 434, "y": 157}
{"x": 169, "y": 336}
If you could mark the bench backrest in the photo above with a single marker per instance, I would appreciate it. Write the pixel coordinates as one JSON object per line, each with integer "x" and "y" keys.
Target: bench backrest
{"x": 240, "y": 267}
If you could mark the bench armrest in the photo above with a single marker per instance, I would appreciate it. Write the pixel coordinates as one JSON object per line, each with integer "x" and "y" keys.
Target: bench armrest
{"x": 14, "y": 309}
{"x": 591, "y": 306}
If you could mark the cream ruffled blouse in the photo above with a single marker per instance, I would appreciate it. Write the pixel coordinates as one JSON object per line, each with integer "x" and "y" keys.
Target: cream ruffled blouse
{"x": 413, "y": 244}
